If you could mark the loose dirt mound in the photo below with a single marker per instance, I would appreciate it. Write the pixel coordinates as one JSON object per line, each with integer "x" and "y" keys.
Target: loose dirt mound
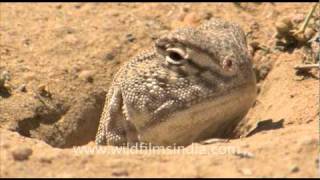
{"x": 57, "y": 62}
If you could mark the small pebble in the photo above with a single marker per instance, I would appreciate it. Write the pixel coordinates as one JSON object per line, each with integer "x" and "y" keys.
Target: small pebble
{"x": 191, "y": 19}
{"x": 254, "y": 44}
{"x": 298, "y": 78}
{"x": 65, "y": 175}
{"x": 309, "y": 33}
{"x": 43, "y": 90}
{"x": 5, "y": 76}
{"x": 246, "y": 171}
{"x": 287, "y": 21}
{"x": 300, "y": 38}
{"x": 284, "y": 26}
{"x": 20, "y": 60}
{"x": 294, "y": 169}
{"x": 298, "y": 18}
{"x": 22, "y": 88}
{"x": 5, "y": 145}
{"x": 86, "y": 76}
{"x": 109, "y": 56}
{"x": 264, "y": 70}
{"x": 186, "y": 9}
{"x": 115, "y": 14}
{"x": 120, "y": 172}
{"x": 78, "y": 6}
{"x": 22, "y": 154}
{"x": 45, "y": 160}
{"x": 27, "y": 42}
{"x": 130, "y": 38}
{"x": 206, "y": 15}
{"x": 308, "y": 141}
{"x": 245, "y": 145}
{"x": 30, "y": 76}
{"x": 254, "y": 26}
{"x": 258, "y": 56}
{"x": 244, "y": 154}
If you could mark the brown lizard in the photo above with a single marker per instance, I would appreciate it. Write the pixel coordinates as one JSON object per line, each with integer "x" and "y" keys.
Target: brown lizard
{"x": 194, "y": 84}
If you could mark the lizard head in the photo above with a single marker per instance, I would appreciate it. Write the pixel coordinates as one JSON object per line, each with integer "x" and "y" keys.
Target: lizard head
{"x": 215, "y": 53}
{"x": 214, "y": 84}
{"x": 198, "y": 82}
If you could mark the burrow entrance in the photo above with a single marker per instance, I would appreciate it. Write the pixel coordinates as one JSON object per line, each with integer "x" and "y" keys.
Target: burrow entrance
{"x": 62, "y": 124}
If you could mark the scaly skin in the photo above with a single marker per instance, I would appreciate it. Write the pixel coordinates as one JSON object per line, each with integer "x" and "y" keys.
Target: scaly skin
{"x": 195, "y": 83}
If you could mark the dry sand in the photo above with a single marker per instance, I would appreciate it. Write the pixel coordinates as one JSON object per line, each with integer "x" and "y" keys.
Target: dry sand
{"x": 59, "y": 59}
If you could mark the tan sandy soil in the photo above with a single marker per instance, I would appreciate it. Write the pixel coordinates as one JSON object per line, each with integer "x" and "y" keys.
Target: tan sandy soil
{"x": 58, "y": 61}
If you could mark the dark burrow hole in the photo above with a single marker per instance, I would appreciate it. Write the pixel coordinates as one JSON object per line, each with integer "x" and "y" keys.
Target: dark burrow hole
{"x": 64, "y": 125}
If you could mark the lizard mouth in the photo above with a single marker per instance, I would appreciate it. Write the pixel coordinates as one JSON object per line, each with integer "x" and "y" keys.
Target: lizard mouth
{"x": 210, "y": 115}
{"x": 223, "y": 97}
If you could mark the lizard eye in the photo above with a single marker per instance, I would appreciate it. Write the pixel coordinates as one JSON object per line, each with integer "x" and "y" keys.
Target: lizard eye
{"x": 175, "y": 56}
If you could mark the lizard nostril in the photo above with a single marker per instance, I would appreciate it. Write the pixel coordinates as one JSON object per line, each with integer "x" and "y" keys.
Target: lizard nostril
{"x": 227, "y": 64}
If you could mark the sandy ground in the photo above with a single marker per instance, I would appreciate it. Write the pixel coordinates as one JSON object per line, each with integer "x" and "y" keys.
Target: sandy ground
{"x": 57, "y": 62}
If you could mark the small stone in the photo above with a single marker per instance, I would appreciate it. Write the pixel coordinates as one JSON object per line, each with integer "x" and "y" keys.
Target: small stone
{"x": 22, "y": 154}
{"x": 5, "y": 76}
{"x": 258, "y": 56}
{"x": 22, "y": 88}
{"x": 284, "y": 26}
{"x": 244, "y": 155}
{"x": 294, "y": 169}
{"x": 206, "y": 15}
{"x": 246, "y": 171}
{"x": 65, "y": 175}
{"x": 78, "y": 6}
{"x": 186, "y": 9}
{"x": 308, "y": 141}
{"x": 27, "y": 42}
{"x": 20, "y": 60}
{"x": 5, "y": 145}
{"x": 300, "y": 37}
{"x": 30, "y": 76}
{"x": 115, "y": 14}
{"x": 86, "y": 76}
{"x": 309, "y": 121}
{"x": 43, "y": 90}
{"x": 191, "y": 19}
{"x": 287, "y": 21}
{"x": 264, "y": 71}
{"x": 298, "y": 18}
{"x": 120, "y": 172}
{"x": 254, "y": 44}
{"x": 254, "y": 26}
{"x": 298, "y": 78}
{"x": 309, "y": 33}
{"x": 245, "y": 145}
{"x": 130, "y": 37}
{"x": 46, "y": 160}
{"x": 109, "y": 56}
{"x": 75, "y": 69}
